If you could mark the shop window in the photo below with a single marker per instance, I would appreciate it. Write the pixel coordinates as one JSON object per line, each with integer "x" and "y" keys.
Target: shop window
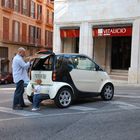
{"x": 16, "y": 31}
{"x": 5, "y": 29}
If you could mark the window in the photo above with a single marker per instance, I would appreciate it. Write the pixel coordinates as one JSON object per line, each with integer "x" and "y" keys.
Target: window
{"x": 16, "y": 31}
{"x": 32, "y": 9}
{"x": 43, "y": 64}
{"x": 47, "y": 1}
{"x": 7, "y": 3}
{"x": 83, "y": 63}
{"x": 34, "y": 35}
{"x": 51, "y": 17}
{"x": 25, "y": 9}
{"x": 17, "y": 5}
{"x": 47, "y": 16}
{"x": 39, "y": 12}
{"x": 38, "y": 36}
{"x": 5, "y": 28}
{"x": 49, "y": 39}
{"x": 24, "y": 32}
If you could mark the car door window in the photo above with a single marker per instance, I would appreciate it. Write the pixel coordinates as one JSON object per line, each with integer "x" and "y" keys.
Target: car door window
{"x": 43, "y": 64}
{"x": 84, "y": 63}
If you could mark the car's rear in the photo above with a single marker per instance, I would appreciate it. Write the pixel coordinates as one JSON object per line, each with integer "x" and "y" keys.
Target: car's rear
{"x": 44, "y": 68}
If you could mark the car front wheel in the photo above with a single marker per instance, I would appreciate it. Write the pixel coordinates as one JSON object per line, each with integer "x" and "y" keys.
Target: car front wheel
{"x": 63, "y": 98}
{"x": 107, "y": 92}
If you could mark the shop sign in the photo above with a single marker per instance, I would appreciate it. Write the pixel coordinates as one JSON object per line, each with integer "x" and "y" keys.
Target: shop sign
{"x": 116, "y": 31}
{"x": 69, "y": 33}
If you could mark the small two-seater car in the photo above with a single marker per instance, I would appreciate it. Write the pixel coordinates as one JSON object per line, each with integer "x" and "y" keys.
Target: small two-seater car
{"x": 66, "y": 77}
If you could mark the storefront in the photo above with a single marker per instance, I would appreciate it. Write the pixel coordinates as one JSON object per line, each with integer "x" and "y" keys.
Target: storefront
{"x": 70, "y": 40}
{"x": 112, "y": 46}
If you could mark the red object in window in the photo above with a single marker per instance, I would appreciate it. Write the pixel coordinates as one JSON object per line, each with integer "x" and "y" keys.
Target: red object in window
{"x": 112, "y": 31}
{"x": 69, "y": 33}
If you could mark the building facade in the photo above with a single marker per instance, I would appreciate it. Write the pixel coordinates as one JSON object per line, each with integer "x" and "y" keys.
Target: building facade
{"x": 24, "y": 23}
{"x": 108, "y": 31}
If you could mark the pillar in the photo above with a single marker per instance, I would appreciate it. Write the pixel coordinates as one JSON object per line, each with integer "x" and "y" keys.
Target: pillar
{"x": 86, "y": 39}
{"x": 134, "y": 70}
{"x": 57, "y": 46}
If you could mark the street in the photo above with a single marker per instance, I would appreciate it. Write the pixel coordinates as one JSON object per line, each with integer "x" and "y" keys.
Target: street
{"x": 86, "y": 119}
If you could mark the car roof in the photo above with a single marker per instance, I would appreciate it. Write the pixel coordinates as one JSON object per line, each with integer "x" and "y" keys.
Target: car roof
{"x": 42, "y": 56}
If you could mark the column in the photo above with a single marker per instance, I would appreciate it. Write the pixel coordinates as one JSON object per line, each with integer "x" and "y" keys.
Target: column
{"x": 134, "y": 70}
{"x": 86, "y": 39}
{"x": 108, "y": 55}
{"x": 57, "y": 46}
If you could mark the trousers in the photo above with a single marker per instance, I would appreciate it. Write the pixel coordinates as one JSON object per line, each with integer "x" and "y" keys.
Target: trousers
{"x": 18, "y": 94}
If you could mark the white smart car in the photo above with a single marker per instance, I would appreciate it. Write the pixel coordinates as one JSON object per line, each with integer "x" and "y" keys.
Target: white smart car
{"x": 66, "y": 77}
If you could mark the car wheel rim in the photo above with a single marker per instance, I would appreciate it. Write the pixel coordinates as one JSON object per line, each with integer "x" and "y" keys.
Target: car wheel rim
{"x": 108, "y": 91}
{"x": 65, "y": 98}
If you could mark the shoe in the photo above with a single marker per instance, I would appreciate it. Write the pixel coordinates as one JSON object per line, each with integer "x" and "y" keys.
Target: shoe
{"x": 35, "y": 109}
{"x": 25, "y": 106}
{"x": 17, "y": 108}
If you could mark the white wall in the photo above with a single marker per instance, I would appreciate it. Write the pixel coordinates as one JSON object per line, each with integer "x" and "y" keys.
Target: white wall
{"x": 95, "y": 10}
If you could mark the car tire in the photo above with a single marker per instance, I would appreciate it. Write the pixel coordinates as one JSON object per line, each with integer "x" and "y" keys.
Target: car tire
{"x": 30, "y": 98}
{"x": 64, "y": 98}
{"x": 107, "y": 92}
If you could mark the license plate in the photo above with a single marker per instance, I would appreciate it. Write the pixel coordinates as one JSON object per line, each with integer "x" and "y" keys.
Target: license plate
{"x": 39, "y": 76}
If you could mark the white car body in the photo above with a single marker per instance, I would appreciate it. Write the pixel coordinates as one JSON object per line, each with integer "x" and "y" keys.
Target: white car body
{"x": 87, "y": 77}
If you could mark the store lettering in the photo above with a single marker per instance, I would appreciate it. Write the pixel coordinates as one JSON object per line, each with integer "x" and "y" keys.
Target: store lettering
{"x": 114, "y": 31}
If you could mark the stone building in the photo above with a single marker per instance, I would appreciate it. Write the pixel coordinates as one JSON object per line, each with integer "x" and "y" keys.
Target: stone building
{"x": 24, "y": 23}
{"x": 106, "y": 30}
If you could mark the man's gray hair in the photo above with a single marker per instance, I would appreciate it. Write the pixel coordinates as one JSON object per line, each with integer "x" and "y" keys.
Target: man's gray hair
{"x": 21, "y": 49}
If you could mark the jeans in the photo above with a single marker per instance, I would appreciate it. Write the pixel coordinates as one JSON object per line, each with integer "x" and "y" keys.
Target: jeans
{"x": 38, "y": 98}
{"x": 18, "y": 95}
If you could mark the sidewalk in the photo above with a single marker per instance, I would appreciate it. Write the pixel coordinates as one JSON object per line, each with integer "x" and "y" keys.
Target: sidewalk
{"x": 121, "y": 83}
{"x": 7, "y": 87}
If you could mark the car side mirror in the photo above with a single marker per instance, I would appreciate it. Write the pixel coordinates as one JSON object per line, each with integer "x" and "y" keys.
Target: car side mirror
{"x": 97, "y": 68}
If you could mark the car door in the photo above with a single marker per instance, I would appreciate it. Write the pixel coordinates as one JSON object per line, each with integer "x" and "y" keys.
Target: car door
{"x": 85, "y": 75}
{"x": 42, "y": 69}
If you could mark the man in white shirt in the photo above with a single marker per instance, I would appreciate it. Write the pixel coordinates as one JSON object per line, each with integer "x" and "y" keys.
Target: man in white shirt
{"x": 20, "y": 76}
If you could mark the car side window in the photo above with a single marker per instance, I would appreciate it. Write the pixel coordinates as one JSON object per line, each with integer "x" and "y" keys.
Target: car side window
{"x": 84, "y": 63}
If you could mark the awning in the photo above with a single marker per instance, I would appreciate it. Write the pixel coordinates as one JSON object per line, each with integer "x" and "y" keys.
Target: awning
{"x": 112, "y": 31}
{"x": 69, "y": 33}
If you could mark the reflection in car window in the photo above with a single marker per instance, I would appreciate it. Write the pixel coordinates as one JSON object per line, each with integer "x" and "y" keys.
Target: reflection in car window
{"x": 84, "y": 63}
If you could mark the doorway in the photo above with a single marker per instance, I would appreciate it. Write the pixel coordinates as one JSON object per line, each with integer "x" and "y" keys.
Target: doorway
{"x": 121, "y": 53}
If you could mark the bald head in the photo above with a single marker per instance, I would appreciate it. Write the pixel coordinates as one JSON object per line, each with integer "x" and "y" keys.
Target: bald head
{"x": 21, "y": 51}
